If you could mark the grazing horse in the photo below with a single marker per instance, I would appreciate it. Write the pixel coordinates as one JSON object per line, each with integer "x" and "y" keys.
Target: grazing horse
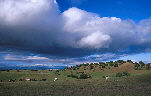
{"x": 22, "y": 79}
{"x": 44, "y": 79}
{"x": 12, "y": 80}
{"x": 27, "y": 79}
{"x": 55, "y": 79}
{"x": 107, "y": 77}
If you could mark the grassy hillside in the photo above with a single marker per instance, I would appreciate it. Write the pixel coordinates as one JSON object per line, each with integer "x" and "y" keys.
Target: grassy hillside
{"x": 125, "y": 79}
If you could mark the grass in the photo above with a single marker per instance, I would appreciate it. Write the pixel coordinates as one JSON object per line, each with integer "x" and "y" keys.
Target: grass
{"x": 137, "y": 84}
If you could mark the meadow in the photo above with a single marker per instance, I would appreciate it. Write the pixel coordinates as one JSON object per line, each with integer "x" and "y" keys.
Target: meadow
{"x": 125, "y": 79}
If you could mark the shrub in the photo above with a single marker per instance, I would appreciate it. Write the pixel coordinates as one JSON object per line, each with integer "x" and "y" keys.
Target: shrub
{"x": 148, "y": 66}
{"x": 96, "y": 63}
{"x": 91, "y": 66}
{"x": 84, "y": 76}
{"x": 103, "y": 66}
{"x": 121, "y": 61}
{"x": 115, "y": 65}
{"x": 125, "y": 73}
{"x": 73, "y": 76}
{"x": 18, "y": 70}
{"x": 137, "y": 66}
{"x": 74, "y": 68}
{"x": 141, "y": 63}
{"x": 121, "y": 74}
{"x": 111, "y": 63}
{"x": 129, "y": 61}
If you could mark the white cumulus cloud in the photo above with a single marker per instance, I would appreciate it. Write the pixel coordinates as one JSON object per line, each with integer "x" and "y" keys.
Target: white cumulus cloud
{"x": 39, "y": 25}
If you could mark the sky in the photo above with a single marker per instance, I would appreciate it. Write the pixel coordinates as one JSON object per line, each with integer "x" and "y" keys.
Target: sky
{"x": 124, "y": 9}
{"x": 70, "y": 32}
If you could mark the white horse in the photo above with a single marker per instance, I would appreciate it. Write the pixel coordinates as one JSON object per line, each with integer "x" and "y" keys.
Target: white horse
{"x": 107, "y": 77}
{"x": 55, "y": 79}
{"x": 27, "y": 79}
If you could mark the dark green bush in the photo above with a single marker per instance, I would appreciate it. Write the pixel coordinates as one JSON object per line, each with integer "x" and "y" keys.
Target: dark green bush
{"x": 137, "y": 66}
{"x": 121, "y": 74}
{"x": 120, "y": 61}
{"x": 111, "y": 63}
{"x": 84, "y": 76}
{"x": 125, "y": 73}
{"x": 141, "y": 63}
{"x": 73, "y": 76}
{"x": 148, "y": 66}
{"x": 74, "y": 68}
{"x": 91, "y": 66}
{"x": 129, "y": 61}
{"x": 115, "y": 65}
{"x": 103, "y": 66}
{"x": 18, "y": 70}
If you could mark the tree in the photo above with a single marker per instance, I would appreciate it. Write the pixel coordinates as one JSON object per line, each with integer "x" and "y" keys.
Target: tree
{"x": 84, "y": 76}
{"x": 120, "y": 61}
{"x": 121, "y": 74}
{"x": 141, "y": 63}
{"x": 103, "y": 66}
{"x": 125, "y": 73}
{"x": 91, "y": 66}
{"x": 148, "y": 66}
{"x": 73, "y": 76}
{"x": 111, "y": 63}
{"x": 115, "y": 65}
{"x": 137, "y": 66}
{"x": 129, "y": 61}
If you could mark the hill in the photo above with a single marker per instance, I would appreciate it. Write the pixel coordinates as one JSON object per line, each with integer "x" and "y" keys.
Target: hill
{"x": 119, "y": 78}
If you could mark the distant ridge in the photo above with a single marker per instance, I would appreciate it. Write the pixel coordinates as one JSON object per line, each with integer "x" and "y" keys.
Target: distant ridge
{"x": 32, "y": 67}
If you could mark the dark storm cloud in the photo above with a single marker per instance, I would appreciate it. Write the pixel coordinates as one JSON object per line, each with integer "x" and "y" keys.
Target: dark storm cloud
{"x": 39, "y": 26}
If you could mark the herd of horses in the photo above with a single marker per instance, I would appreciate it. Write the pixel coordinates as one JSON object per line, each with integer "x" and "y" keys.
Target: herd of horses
{"x": 23, "y": 79}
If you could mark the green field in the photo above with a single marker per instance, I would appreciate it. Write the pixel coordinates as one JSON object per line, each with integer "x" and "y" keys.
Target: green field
{"x": 137, "y": 84}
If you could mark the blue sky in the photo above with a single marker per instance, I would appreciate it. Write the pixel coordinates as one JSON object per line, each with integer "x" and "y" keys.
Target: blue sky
{"x": 145, "y": 57}
{"x": 125, "y": 9}
{"x": 69, "y": 32}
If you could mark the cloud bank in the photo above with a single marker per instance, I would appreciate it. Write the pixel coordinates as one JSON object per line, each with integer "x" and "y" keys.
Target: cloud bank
{"x": 38, "y": 25}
